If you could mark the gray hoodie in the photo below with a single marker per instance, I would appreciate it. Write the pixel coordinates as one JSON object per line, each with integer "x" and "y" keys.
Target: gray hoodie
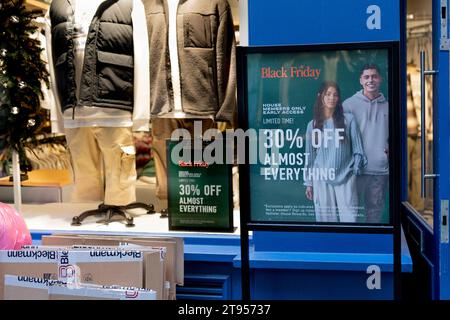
{"x": 373, "y": 121}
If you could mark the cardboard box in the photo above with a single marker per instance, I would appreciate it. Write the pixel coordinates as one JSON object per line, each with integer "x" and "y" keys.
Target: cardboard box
{"x": 113, "y": 266}
{"x": 154, "y": 267}
{"x": 27, "y": 288}
{"x": 33, "y": 263}
{"x": 104, "y": 267}
{"x": 90, "y": 292}
{"x": 174, "y": 262}
{"x": 155, "y": 274}
{"x": 179, "y": 254}
{"x": 68, "y": 239}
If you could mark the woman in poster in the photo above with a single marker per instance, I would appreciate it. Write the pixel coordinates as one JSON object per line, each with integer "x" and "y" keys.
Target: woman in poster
{"x": 336, "y": 156}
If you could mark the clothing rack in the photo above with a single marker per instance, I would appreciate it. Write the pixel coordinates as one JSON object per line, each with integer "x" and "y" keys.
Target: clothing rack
{"x": 419, "y": 35}
{"x": 419, "y": 28}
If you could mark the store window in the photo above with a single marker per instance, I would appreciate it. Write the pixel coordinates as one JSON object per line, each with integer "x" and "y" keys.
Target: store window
{"x": 419, "y": 38}
{"x": 50, "y": 158}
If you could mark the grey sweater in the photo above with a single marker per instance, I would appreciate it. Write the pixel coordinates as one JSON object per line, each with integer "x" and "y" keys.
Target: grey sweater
{"x": 373, "y": 121}
{"x": 347, "y": 158}
{"x": 207, "y": 58}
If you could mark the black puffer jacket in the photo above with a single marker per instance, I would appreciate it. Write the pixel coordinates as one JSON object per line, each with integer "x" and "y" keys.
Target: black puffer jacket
{"x": 107, "y": 76}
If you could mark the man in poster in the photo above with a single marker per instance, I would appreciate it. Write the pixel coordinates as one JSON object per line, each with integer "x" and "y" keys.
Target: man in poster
{"x": 371, "y": 111}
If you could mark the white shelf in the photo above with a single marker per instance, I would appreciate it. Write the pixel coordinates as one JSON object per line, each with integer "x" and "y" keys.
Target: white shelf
{"x": 57, "y": 217}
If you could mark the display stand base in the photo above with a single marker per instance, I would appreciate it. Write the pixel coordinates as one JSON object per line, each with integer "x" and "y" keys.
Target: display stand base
{"x": 109, "y": 211}
{"x": 164, "y": 213}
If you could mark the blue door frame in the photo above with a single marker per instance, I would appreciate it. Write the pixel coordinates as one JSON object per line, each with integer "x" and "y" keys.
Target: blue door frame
{"x": 441, "y": 157}
{"x": 432, "y": 250}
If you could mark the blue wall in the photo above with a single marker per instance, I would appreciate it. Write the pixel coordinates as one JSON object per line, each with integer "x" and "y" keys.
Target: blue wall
{"x": 320, "y": 21}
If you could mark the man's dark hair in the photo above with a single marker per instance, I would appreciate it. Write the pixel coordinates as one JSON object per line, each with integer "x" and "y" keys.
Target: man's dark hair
{"x": 368, "y": 66}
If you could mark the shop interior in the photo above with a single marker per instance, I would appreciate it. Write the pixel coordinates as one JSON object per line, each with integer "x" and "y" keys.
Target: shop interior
{"x": 419, "y": 38}
{"x": 46, "y": 204}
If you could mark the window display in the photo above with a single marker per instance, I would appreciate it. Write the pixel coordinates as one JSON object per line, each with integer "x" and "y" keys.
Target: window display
{"x": 192, "y": 70}
{"x": 98, "y": 58}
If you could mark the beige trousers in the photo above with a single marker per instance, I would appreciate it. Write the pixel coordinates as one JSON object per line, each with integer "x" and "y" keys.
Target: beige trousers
{"x": 103, "y": 163}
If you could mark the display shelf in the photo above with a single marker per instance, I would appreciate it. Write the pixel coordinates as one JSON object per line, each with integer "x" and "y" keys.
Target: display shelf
{"x": 57, "y": 217}
{"x": 42, "y": 186}
{"x": 43, "y": 178}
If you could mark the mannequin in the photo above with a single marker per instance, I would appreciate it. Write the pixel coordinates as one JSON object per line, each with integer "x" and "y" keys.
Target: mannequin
{"x": 192, "y": 70}
{"x": 98, "y": 58}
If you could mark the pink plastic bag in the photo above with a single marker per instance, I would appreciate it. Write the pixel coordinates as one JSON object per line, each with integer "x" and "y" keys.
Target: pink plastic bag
{"x": 13, "y": 230}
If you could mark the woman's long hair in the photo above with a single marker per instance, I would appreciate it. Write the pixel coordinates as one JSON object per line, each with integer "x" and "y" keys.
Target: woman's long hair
{"x": 338, "y": 114}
